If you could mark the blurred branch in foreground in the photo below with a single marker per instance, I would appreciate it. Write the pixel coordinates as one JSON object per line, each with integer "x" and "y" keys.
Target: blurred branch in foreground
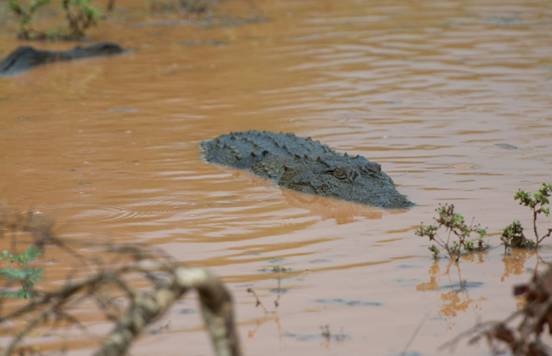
{"x": 136, "y": 288}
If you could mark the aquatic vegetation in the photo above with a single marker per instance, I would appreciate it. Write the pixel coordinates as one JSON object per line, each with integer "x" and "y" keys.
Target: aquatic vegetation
{"x": 19, "y": 270}
{"x": 459, "y": 239}
{"x": 539, "y": 203}
{"x": 513, "y": 235}
{"x": 523, "y": 338}
{"x": 16, "y": 268}
{"x": 25, "y": 14}
{"x": 79, "y": 14}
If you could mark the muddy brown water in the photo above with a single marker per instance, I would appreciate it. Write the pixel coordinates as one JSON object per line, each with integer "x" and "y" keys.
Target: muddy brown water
{"x": 451, "y": 97}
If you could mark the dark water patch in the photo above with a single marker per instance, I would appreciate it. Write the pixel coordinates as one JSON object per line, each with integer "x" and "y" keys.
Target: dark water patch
{"x": 407, "y": 266}
{"x": 503, "y": 21}
{"x": 461, "y": 285}
{"x": 279, "y": 290}
{"x": 303, "y": 337}
{"x": 160, "y": 329}
{"x": 407, "y": 282}
{"x": 339, "y": 337}
{"x": 275, "y": 269}
{"x": 348, "y": 302}
{"x": 320, "y": 260}
{"x": 187, "y": 311}
{"x": 506, "y": 146}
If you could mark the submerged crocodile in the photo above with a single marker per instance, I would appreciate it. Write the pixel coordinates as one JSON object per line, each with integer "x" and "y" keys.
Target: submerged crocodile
{"x": 306, "y": 166}
{"x": 25, "y": 58}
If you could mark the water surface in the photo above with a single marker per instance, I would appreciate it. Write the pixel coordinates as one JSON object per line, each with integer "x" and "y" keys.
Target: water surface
{"x": 451, "y": 97}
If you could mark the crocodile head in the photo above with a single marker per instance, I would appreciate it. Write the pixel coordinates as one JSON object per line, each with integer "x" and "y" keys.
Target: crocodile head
{"x": 344, "y": 177}
{"x": 104, "y": 48}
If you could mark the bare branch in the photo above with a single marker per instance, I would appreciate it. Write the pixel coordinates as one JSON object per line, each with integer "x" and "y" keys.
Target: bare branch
{"x": 167, "y": 282}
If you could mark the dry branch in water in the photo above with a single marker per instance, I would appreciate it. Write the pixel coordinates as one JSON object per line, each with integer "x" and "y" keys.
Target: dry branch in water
{"x": 167, "y": 281}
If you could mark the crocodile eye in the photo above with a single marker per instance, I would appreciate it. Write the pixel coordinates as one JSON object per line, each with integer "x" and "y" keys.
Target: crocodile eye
{"x": 339, "y": 173}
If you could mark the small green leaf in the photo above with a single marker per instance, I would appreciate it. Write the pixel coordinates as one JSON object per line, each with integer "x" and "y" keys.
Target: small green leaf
{"x": 19, "y": 294}
{"x": 434, "y": 250}
{"x": 13, "y": 273}
{"x": 32, "y": 274}
{"x": 30, "y": 254}
{"x": 482, "y": 232}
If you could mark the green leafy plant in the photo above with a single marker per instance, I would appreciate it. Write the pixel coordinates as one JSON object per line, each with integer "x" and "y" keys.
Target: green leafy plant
{"x": 80, "y": 15}
{"x": 16, "y": 268}
{"x": 25, "y": 15}
{"x": 539, "y": 203}
{"x": 513, "y": 237}
{"x": 459, "y": 240}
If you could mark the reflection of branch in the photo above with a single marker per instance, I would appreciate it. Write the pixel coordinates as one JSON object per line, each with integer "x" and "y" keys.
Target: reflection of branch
{"x": 273, "y": 313}
{"x": 267, "y": 318}
{"x": 454, "y": 299}
{"x": 514, "y": 263}
{"x": 278, "y": 292}
{"x": 258, "y": 303}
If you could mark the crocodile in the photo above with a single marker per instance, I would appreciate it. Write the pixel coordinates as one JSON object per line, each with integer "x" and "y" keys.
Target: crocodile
{"x": 26, "y": 57}
{"x": 307, "y": 166}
